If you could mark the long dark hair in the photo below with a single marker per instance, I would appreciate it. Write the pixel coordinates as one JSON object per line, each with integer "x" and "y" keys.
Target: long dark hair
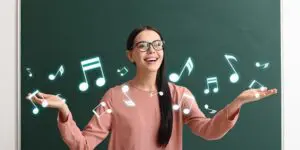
{"x": 165, "y": 103}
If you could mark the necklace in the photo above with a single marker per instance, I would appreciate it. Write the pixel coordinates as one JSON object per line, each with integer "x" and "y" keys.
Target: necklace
{"x": 152, "y": 93}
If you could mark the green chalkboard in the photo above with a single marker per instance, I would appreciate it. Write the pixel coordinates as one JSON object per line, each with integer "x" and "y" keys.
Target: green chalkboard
{"x": 65, "y": 32}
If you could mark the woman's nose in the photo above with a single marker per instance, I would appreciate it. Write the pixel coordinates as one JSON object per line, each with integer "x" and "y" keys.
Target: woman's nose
{"x": 151, "y": 49}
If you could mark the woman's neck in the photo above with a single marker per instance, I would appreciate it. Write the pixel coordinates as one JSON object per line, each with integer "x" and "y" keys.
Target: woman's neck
{"x": 145, "y": 81}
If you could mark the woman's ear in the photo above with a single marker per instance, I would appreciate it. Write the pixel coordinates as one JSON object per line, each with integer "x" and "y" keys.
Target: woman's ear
{"x": 129, "y": 55}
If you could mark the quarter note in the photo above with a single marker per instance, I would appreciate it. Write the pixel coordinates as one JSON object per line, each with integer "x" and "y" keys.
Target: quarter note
{"x": 123, "y": 71}
{"x": 212, "y": 111}
{"x": 129, "y": 102}
{"x": 91, "y": 64}
{"x": 174, "y": 77}
{"x": 263, "y": 66}
{"x": 29, "y": 71}
{"x": 102, "y": 104}
{"x": 234, "y": 77}
{"x": 60, "y": 70}
{"x": 211, "y": 81}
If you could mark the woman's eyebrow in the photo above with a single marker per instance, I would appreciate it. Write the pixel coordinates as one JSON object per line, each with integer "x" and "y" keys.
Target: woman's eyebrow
{"x": 147, "y": 41}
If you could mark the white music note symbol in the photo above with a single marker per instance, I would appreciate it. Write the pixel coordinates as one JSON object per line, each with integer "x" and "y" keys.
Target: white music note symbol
{"x": 256, "y": 84}
{"x": 91, "y": 64}
{"x": 123, "y": 71}
{"x": 188, "y": 109}
{"x": 263, "y": 66}
{"x": 212, "y": 111}
{"x": 234, "y": 77}
{"x": 29, "y": 71}
{"x": 102, "y": 104}
{"x": 35, "y": 110}
{"x": 174, "y": 77}
{"x": 129, "y": 102}
{"x": 209, "y": 81}
{"x": 61, "y": 70}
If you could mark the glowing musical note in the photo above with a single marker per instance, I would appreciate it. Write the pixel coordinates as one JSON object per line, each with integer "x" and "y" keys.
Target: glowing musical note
{"x": 234, "y": 77}
{"x": 211, "y": 80}
{"x": 129, "y": 102}
{"x": 212, "y": 111}
{"x": 102, "y": 104}
{"x": 91, "y": 64}
{"x": 61, "y": 70}
{"x": 174, "y": 77}
{"x": 122, "y": 71}
{"x": 258, "y": 85}
{"x": 263, "y": 66}
{"x": 185, "y": 110}
{"x": 29, "y": 71}
{"x": 35, "y": 110}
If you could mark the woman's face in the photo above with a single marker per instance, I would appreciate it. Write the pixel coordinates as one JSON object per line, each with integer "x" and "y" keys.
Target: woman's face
{"x": 147, "y": 59}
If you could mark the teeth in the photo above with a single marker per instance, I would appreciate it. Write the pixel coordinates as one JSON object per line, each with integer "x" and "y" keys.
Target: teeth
{"x": 151, "y": 59}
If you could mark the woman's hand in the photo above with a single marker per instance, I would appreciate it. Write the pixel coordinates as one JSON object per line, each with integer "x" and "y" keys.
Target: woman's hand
{"x": 52, "y": 101}
{"x": 48, "y": 100}
{"x": 252, "y": 95}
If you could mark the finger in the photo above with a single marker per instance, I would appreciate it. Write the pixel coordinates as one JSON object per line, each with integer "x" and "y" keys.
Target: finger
{"x": 37, "y": 100}
{"x": 43, "y": 95}
{"x": 268, "y": 93}
{"x": 271, "y": 92}
{"x": 261, "y": 93}
{"x": 263, "y": 89}
{"x": 274, "y": 90}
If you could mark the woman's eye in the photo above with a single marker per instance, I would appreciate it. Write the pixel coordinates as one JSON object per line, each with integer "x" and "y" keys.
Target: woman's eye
{"x": 157, "y": 44}
{"x": 142, "y": 45}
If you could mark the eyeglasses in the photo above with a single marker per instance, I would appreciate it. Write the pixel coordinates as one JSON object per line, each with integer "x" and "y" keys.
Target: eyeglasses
{"x": 143, "y": 46}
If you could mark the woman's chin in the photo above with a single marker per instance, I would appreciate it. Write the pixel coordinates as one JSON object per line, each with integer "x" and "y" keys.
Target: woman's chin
{"x": 152, "y": 68}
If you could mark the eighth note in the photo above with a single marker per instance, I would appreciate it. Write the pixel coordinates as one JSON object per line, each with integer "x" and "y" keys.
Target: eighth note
{"x": 212, "y": 111}
{"x": 128, "y": 102}
{"x": 189, "y": 98}
{"x": 234, "y": 77}
{"x": 258, "y": 85}
{"x": 102, "y": 104}
{"x": 209, "y": 81}
{"x": 61, "y": 70}
{"x": 263, "y": 66}
{"x": 122, "y": 71}
{"x": 174, "y": 77}
{"x": 91, "y": 64}
{"x": 29, "y": 71}
{"x": 35, "y": 110}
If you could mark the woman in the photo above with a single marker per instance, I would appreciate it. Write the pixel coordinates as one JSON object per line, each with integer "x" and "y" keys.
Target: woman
{"x": 147, "y": 112}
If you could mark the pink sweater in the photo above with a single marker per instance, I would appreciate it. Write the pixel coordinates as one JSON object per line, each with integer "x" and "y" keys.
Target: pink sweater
{"x": 136, "y": 127}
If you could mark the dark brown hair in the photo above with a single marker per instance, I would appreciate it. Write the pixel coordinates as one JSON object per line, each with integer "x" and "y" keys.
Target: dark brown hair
{"x": 165, "y": 103}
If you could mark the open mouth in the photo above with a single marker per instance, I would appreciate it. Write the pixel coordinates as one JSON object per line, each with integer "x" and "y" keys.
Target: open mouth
{"x": 151, "y": 60}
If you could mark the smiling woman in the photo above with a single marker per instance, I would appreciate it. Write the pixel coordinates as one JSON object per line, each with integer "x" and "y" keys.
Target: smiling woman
{"x": 136, "y": 119}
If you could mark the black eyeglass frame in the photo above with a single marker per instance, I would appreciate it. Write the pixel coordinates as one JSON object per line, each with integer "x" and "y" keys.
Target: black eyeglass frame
{"x": 148, "y": 44}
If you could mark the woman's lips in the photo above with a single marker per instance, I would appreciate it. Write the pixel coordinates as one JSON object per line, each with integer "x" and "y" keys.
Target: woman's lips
{"x": 151, "y": 60}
